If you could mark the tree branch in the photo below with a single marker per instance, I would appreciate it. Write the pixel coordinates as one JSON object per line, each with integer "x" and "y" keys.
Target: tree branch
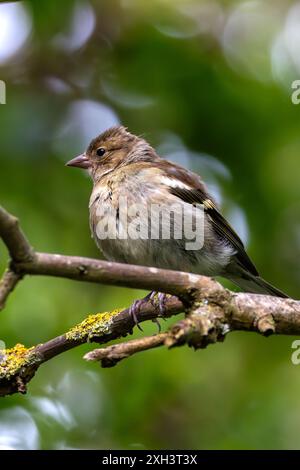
{"x": 208, "y": 321}
{"x": 13, "y": 237}
{"x": 111, "y": 355}
{"x": 7, "y": 285}
{"x": 212, "y": 311}
{"x": 19, "y": 364}
{"x": 118, "y": 274}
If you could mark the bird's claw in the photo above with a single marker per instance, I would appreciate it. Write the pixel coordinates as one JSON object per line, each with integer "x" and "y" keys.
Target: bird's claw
{"x": 161, "y": 304}
{"x": 134, "y": 310}
{"x": 157, "y": 299}
{"x": 155, "y": 320}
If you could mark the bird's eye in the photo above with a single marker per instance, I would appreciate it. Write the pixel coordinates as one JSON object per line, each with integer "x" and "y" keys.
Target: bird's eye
{"x": 100, "y": 152}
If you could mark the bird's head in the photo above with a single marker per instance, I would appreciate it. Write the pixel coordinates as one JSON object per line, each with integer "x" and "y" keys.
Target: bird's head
{"x": 111, "y": 149}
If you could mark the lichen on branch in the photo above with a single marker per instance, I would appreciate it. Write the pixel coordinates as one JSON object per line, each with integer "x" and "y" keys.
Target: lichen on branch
{"x": 94, "y": 326}
{"x": 211, "y": 310}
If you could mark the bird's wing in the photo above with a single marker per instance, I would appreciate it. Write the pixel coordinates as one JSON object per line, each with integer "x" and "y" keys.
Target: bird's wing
{"x": 188, "y": 187}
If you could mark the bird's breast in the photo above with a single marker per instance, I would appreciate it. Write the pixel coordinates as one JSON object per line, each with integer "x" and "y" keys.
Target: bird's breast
{"x": 116, "y": 211}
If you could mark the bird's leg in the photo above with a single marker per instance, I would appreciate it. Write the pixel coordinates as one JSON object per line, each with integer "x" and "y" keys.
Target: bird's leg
{"x": 157, "y": 299}
{"x": 161, "y": 298}
{"x": 134, "y": 310}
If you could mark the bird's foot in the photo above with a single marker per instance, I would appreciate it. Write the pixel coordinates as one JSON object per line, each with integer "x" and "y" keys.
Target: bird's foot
{"x": 135, "y": 308}
{"x": 157, "y": 299}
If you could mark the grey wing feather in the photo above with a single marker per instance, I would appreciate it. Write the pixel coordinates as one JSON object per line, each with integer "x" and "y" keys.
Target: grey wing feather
{"x": 222, "y": 228}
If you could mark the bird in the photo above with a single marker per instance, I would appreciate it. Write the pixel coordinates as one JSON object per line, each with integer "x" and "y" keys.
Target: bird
{"x": 123, "y": 165}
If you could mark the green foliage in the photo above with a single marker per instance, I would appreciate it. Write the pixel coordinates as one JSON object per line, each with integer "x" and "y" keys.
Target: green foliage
{"x": 224, "y": 115}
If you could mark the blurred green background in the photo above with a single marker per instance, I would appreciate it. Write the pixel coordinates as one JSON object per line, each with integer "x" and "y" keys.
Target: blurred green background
{"x": 208, "y": 83}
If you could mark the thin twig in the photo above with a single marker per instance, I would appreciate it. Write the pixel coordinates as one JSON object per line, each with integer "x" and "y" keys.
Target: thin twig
{"x": 212, "y": 311}
{"x": 7, "y": 285}
{"x": 19, "y": 364}
{"x": 13, "y": 237}
{"x": 111, "y": 355}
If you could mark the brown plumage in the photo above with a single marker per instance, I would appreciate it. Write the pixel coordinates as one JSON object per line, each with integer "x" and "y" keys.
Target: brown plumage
{"x": 122, "y": 164}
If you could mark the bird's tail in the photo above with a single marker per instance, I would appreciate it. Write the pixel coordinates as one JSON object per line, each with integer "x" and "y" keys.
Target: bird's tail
{"x": 256, "y": 285}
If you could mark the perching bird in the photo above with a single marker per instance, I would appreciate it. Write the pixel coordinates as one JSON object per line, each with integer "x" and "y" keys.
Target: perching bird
{"x": 123, "y": 165}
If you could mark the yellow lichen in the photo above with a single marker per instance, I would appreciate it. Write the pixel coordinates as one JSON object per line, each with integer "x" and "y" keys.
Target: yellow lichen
{"x": 155, "y": 298}
{"x": 94, "y": 325}
{"x": 11, "y": 360}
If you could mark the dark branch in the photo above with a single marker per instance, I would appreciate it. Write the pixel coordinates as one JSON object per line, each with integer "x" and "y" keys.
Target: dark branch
{"x": 118, "y": 274}
{"x": 212, "y": 311}
{"x": 111, "y": 355}
{"x": 18, "y": 365}
{"x": 7, "y": 285}
{"x": 13, "y": 237}
{"x": 208, "y": 321}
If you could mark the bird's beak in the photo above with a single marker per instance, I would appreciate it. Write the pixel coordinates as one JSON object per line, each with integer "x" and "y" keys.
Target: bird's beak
{"x": 80, "y": 162}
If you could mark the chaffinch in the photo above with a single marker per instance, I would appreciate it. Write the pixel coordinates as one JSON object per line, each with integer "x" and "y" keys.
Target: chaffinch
{"x": 125, "y": 167}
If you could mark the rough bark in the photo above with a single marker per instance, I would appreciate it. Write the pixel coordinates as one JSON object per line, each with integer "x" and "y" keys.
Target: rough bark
{"x": 211, "y": 310}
